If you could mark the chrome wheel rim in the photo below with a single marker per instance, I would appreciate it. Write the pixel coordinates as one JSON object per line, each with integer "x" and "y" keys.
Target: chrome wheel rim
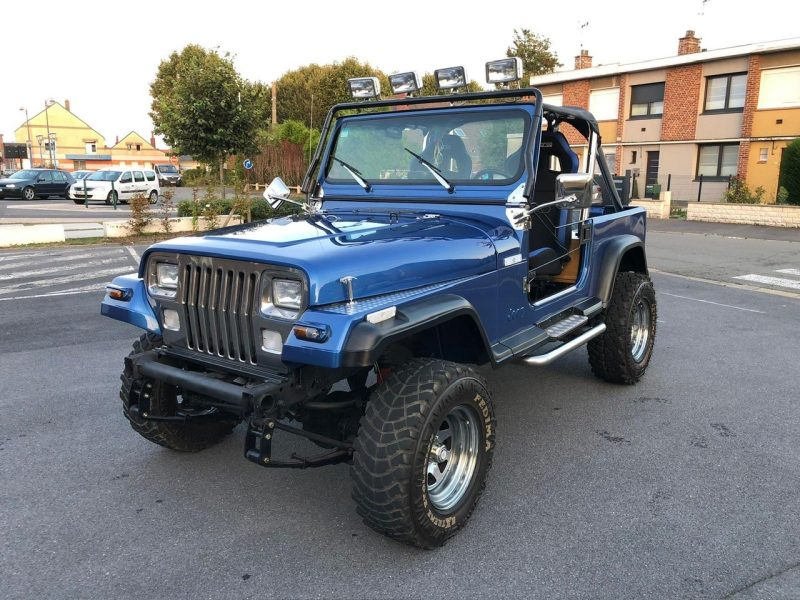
{"x": 640, "y": 329}
{"x": 453, "y": 458}
{"x": 29, "y": 194}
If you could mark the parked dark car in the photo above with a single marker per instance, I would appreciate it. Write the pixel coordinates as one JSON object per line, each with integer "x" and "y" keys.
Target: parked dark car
{"x": 36, "y": 183}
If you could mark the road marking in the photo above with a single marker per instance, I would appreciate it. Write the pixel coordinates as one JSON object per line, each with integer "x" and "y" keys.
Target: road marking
{"x": 789, "y": 271}
{"x": 133, "y": 253}
{"x": 6, "y": 256}
{"x": 779, "y": 281}
{"x": 761, "y": 312}
{"x": 61, "y": 269}
{"x": 29, "y": 285}
{"x": 730, "y": 284}
{"x": 61, "y": 258}
{"x": 69, "y": 292}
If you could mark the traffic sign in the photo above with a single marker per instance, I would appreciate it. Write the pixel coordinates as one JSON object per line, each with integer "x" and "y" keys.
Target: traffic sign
{"x": 248, "y": 164}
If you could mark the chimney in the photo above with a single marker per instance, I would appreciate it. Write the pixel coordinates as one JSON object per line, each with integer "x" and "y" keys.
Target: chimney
{"x": 66, "y": 105}
{"x": 583, "y": 60}
{"x": 152, "y": 140}
{"x": 117, "y": 142}
{"x": 688, "y": 44}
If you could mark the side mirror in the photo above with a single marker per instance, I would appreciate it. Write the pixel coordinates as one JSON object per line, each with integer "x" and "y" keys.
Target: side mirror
{"x": 574, "y": 190}
{"x": 277, "y": 193}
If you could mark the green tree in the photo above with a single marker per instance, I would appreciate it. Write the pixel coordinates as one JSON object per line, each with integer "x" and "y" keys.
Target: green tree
{"x": 534, "y": 51}
{"x": 790, "y": 172}
{"x": 310, "y": 91}
{"x": 203, "y": 107}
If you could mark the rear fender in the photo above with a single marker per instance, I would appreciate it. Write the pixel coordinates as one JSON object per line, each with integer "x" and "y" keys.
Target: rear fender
{"x": 136, "y": 309}
{"x": 625, "y": 253}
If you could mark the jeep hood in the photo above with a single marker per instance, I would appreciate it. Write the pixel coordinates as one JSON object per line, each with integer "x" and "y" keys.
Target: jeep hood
{"x": 384, "y": 253}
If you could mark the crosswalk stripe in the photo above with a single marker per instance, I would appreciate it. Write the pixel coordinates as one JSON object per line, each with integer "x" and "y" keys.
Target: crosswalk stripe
{"x": 68, "y": 292}
{"x": 62, "y": 268}
{"x": 7, "y": 256}
{"x": 40, "y": 283}
{"x": 789, "y": 271}
{"x": 778, "y": 281}
{"x": 58, "y": 259}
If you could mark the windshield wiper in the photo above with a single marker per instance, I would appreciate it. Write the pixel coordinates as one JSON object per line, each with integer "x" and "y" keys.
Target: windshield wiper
{"x": 434, "y": 171}
{"x": 355, "y": 174}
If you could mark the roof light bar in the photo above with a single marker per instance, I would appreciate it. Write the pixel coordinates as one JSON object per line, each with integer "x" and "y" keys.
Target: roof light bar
{"x": 504, "y": 71}
{"x": 405, "y": 83}
{"x": 450, "y": 78}
{"x": 365, "y": 88}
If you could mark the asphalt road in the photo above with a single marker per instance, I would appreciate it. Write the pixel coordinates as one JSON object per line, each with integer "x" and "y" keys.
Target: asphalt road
{"x": 683, "y": 486}
{"x": 60, "y": 210}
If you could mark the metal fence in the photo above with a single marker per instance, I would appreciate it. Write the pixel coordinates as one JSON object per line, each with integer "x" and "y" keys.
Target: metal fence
{"x": 684, "y": 188}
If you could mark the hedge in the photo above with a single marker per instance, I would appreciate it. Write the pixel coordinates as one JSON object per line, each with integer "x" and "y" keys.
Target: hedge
{"x": 259, "y": 209}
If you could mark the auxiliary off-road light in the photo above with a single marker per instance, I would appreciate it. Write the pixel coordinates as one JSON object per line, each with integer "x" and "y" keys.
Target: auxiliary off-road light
{"x": 450, "y": 78}
{"x": 364, "y": 88}
{"x": 171, "y": 320}
{"x": 271, "y": 341}
{"x": 311, "y": 333}
{"x": 405, "y": 83}
{"x": 504, "y": 71}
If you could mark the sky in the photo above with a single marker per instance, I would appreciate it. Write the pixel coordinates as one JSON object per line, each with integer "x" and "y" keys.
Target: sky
{"x": 104, "y": 56}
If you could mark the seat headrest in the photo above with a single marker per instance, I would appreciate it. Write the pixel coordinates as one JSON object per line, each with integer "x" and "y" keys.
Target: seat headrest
{"x": 555, "y": 144}
{"x": 453, "y": 149}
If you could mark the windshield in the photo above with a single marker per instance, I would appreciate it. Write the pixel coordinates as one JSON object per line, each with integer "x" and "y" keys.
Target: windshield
{"x": 104, "y": 176}
{"x": 26, "y": 174}
{"x": 477, "y": 147}
{"x": 167, "y": 169}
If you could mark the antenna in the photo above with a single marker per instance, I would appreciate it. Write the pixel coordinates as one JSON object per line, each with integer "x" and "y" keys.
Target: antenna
{"x": 702, "y": 8}
{"x": 582, "y": 26}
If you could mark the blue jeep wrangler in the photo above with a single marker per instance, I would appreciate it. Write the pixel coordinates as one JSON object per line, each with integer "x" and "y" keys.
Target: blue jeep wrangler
{"x": 438, "y": 234}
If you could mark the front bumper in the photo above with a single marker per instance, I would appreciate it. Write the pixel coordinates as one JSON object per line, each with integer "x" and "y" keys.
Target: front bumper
{"x": 161, "y": 365}
{"x": 95, "y": 194}
{"x": 11, "y": 193}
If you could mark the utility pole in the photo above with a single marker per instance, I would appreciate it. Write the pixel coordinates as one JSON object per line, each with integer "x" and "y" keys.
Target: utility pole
{"x": 274, "y": 103}
{"x": 28, "y": 125}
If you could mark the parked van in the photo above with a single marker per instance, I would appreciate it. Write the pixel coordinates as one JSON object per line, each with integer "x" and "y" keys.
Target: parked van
{"x": 118, "y": 185}
{"x": 168, "y": 175}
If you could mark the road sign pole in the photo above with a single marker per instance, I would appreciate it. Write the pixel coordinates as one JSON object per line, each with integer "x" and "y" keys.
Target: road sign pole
{"x": 85, "y": 195}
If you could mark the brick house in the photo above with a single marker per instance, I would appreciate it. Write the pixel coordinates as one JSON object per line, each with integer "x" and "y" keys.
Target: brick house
{"x": 715, "y": 114}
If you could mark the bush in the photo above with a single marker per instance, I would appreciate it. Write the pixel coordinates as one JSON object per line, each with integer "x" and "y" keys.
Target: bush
{"x": 790, "y": 172}
{"x": 141, "y": 215}
{"x": 259, "y": 209}
{"x": 739, "y": 193}
{"x": 783, "y": 196}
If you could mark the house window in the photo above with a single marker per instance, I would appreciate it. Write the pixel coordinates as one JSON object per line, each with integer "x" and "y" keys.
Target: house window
{"x": 633, "y": 157}
{"x": 129, "y": 146}
{"x": 91, "y": 147}
{"x": 718, "y": 160}
{"x": 647, "y": 100}
{"x": 553, "y": 99}
{"x": 780, "y": 88}
{"x": 726, "y": 92}
{"x": 138, "y": 147}
{"x": 604, "y": 104}
{"x": 79, "y": 165}
{"x": 763, "y": 155}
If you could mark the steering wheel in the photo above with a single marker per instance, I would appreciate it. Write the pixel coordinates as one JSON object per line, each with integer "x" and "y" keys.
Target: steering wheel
{"x": 490, "y": 174}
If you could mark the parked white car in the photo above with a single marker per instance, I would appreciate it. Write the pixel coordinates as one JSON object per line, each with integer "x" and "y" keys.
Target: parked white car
{"x": 107, "y": 184}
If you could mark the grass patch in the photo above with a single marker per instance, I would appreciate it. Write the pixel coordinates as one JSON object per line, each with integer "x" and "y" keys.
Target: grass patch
{"x": 678, "y": 213}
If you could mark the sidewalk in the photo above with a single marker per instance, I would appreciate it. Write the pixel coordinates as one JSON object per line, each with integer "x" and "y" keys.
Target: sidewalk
{"x": 757, "y": 232}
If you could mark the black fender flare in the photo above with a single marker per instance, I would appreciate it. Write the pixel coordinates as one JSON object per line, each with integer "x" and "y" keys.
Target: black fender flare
{"x": 367, "y": 341}
{"x": 625, "y": 251}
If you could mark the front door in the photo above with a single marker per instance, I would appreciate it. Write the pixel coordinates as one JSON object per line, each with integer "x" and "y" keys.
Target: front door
{"x": 651, "y": 175}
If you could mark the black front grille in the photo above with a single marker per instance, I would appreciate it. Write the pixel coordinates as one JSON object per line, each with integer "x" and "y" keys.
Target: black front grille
{"x": 220, "y": 303}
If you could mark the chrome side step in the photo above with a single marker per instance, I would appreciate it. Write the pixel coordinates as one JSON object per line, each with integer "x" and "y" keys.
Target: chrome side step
{"x": 545, "y": 359}
{"x": 562, "y": 328}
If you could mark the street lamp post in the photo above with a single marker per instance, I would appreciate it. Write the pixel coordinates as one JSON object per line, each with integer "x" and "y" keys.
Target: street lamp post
{"x": 53, "y": 160}
{"x": 28, "y": 125}
{"x": 40, "y": 139}
{"x": 47, "y": 104}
